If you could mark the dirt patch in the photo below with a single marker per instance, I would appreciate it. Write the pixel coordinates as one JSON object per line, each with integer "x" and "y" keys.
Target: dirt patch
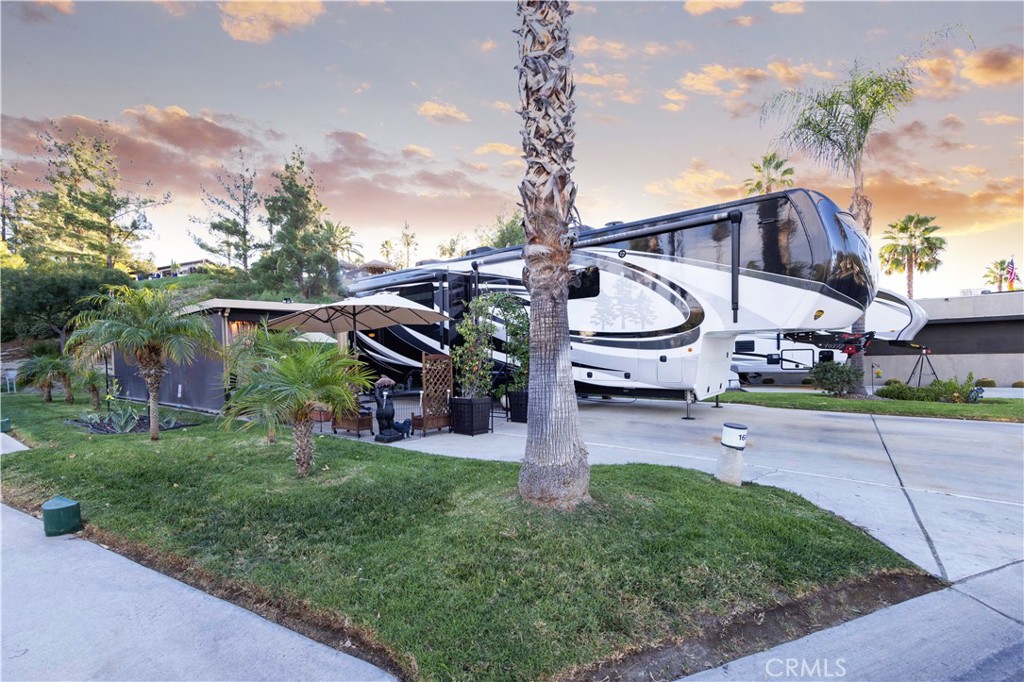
{"x": 760, "y": 630}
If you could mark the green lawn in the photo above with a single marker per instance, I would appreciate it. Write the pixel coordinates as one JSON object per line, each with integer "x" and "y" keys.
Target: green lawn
{"x": 437, "y": 558}
{"x": 987, "y": 409}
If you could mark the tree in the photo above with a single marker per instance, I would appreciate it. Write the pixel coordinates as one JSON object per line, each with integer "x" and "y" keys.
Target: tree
{"x": 289, "y": 387}
{"x": 301, "y": 253}
{"x": 43, "y": 371}
{"x": 506, "y": 231}
{"x": 911, "y": 245}
{"x": 995, "y": 274}
{"x": 408, "y": 241}
{"x": 232, "y": 216}
{"x": 388, "y": 251}
{"x": 9, "y": 199}
{"x": 772, "y": 174}
{"x": 555, "y": 470}
{"x": 833, "y": 125}
{"x": 84, "y": 216}
{"x": 452, "y": 247}
{"x": 148, "y": 327}
{"x": 341, "y": 240}
{"x": 43, "y": 300}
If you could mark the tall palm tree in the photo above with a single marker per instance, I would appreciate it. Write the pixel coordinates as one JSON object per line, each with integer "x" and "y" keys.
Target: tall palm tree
{"x": 341, "y": 240}
{"x": 555, "y": 469}
{"x": 772, "y": 174}
{"x": 833, "y": 125}
{"x": 911, "y": 245}
{"x": 290, "y": 387}
{"x": 148, "y": 327}
{"x": 995, "y": 274}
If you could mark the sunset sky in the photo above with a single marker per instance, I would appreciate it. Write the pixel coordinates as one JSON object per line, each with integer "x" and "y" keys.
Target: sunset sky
{"x": 407, "y": 111}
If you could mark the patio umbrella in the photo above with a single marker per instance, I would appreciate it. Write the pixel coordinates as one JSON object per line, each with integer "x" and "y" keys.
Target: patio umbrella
{"x": 375, "y": 311}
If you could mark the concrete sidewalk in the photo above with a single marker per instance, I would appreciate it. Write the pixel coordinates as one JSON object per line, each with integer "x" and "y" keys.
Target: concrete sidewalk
{"x": 73, "y": 610}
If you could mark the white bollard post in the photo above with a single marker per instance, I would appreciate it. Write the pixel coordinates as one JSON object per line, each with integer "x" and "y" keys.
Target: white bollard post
{"x": 730, "y": 461}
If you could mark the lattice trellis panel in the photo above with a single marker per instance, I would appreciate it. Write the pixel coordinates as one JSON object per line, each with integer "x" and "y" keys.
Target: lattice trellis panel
{"x": 437, "y": 384}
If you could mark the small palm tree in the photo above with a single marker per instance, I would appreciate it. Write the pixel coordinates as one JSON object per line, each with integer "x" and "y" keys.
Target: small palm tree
{"x": 148, "y": 327}
{"x": 288, "y": 388}
{"x": 772, "y": 174}
{"x": 43, "y": 372}
{"x": 912, "y": 246}
{"x": 93, "y": 381}
{"x": 341, "y": 240}
{"x": 995, "y": 274}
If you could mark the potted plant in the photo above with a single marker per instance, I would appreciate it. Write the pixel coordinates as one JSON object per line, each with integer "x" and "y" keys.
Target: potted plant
{"x": 471, "y": 410}
{"x": 517, "y": 350}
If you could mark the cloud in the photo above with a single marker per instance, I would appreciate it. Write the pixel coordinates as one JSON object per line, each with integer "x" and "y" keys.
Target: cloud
{"x": 40, "y": 11}
{"x": 442, "y": 113}
{"x": 676, "y": 100}
{"x": 361, "y": 88}
{"x": 792, "y": 75}
{"x": 939, "y": 78}
{"x": 592, "y": 45}
{"x": 971, "y": 170}
{"x": 711, "y": 77}
{"x": 744, "y": 21}
{"x": 488, "y": 45}
{"x": 952, "y": 122}
{"x": 874, "y": 34}
{"x": 698, "y": 7}
{"x": 998, "y": 118}
{"x": 178, "y": 128}
{"x": 260, "y": 22}
{"x": 653, "y": 49}
{"x": 498, "y": 148}
{"x": 502, "y": 106}
{"x": 994, "y": 66}
{"x": 176, "y": 8}
{"x": 617, "y": 83}
{"x": 698, "y": 186}
{"x": 414, "y": 150}
{"x": 271, "y": 85}
{"x": 352, "y": 153}
{"x": 578, "y": 8}
{"x": 791, "y": 7}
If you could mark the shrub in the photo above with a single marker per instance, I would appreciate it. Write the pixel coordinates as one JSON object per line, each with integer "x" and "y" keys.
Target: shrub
{"x": 1018, "y": 384}
{"x": 900, "y": 391}
{"x": 892, "y": 382}
{"x": 768, "y": 382}
{"x": 985, "y": 383}
{"x": 952, "y": 390}
{"x": 836, "y": 378}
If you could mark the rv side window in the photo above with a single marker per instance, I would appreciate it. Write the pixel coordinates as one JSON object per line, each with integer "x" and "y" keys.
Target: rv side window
{"x": 589, "y": 284}
{"x": 745, "y": 346}
{"x": 826, "y": 356}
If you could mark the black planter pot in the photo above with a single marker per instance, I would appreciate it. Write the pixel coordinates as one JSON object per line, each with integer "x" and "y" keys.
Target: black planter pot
{"x": 471, "y": 416}
{"x": 518, "y": 402}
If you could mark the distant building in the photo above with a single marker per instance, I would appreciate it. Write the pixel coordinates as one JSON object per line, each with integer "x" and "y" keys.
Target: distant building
{"x": 979, "y": 334}
{"x": 191, "y": 267}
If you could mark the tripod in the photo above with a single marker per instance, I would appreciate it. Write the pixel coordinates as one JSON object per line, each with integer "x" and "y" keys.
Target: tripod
{"x": 919, "y": 367}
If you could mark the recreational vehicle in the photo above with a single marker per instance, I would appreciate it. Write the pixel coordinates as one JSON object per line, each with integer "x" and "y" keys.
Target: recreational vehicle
{"x": 657, "y": 304}
{"x": 788, "y": 357}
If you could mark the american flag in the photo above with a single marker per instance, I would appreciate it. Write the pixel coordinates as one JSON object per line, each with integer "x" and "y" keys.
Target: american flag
{"x": 1011, "y": 273}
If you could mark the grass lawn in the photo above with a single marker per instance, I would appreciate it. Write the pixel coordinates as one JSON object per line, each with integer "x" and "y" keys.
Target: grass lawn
{"x": 436, "y": 558}
{"x": 987, "y": 409}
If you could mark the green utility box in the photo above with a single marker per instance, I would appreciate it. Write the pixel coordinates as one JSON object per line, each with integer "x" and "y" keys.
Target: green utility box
{"x": 5, "y": 425}
{"x": 61, "y": 516}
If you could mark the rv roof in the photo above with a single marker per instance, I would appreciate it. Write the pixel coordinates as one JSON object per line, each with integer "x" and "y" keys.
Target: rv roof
{"x": 242, "y": 304}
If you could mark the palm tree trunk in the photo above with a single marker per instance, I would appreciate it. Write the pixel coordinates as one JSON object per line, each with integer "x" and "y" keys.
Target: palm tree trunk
{"x": 910, "y": 275}
{"x": 69, "y": 394}
{"x": 47, "y": 390}
{"x": 303, "y": 432}
{"x": 860, "y": 208}
{"x": 555, "y": 470}
{"x": 153, "y": 375}
{"x": 94, "y": 397}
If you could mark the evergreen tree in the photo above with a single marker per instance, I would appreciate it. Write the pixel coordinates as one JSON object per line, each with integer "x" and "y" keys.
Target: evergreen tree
{"x": 300, "y": 252}
{"x": 232, "y": 216}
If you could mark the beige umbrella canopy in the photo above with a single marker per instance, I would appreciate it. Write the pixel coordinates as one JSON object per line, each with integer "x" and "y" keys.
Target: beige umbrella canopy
{"x": 375, "y": 311}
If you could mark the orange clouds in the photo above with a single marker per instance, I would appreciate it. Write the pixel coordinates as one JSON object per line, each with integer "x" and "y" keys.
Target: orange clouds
{"x": 947, "y": 75}
{"x": 792, "y": 7}
{"x": 260, "y": 22}
{"x": 498, "y": 148}
{"x": 698, "y": 186}
{"x": 699, "y": 7}
{"x": 442, "y": 113}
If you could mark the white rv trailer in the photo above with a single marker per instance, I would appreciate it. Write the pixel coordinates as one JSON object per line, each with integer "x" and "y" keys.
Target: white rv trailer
{"x": 787, "y": 358}
{"x": 661, "y": 301}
